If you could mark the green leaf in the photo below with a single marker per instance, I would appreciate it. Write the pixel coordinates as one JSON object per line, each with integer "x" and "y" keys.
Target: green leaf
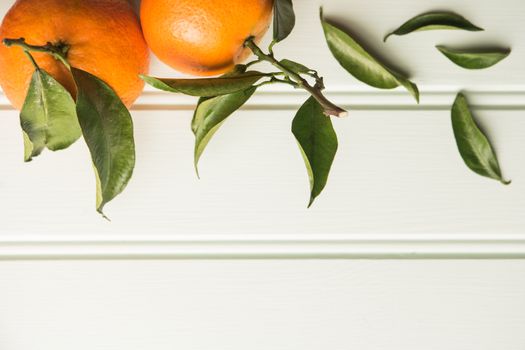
{"x": 211, "y": 113}
{"x": 474, "y": 59}
{"x": 295, "y": 66}
{"x": 473, "y": 145}
{"x": 48, "y": 116}
{"x": 318, "y": 144}
{"x": 227, "y": 84}
{"x": 358, "y": 62}
{"x": 108, "y": 130}
{"x": 28, "y": 148}
{"x": 435, "y": 21}
{"x": 283, "y": 19}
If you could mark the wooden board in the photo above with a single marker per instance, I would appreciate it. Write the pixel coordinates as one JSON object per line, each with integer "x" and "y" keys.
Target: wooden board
{"x": 260, "y": 305}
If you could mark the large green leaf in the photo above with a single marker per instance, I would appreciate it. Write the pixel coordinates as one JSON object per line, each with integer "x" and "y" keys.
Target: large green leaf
{"x": 474, "y": 59}
{"x": 226, "y": 84}
{"x": 318, "y": 144}
{"x": 108, "y": 130}
{"x": 433, "y": 21}
{"x": 358, "y": 62}
{"x": 48, "y": 116}
{"x": 283, "y": 19}
{"x": 211, "y": 113}
{"x": 473, "y": 145}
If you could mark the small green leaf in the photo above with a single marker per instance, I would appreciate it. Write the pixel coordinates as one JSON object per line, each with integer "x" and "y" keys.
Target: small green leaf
{"x": 28, "y": 148}
{"x": 211, "y": 113}
{"x": 435, "y": 21}
{"x": 227, "y": 84}
{"x": 318, "y": 144}
{"x": 474, "y": 59}
{"x": 295, "y": 66}
{"x": 283, "y": 19}
{"x": 48, "y": 116}
{"x": 108, "y": 130}
{"x": 473, "y": 145}
{"x": 197, "y": 117}
{"x": 358, "y": 62}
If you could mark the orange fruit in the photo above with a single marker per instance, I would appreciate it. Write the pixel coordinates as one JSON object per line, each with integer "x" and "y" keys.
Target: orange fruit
{"x": 104, "y": 39}
{"x": 203, "y": 37}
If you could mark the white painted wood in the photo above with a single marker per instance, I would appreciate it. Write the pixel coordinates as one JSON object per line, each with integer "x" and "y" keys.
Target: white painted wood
{"x": 396, "y": 172}
{"x": 355, "y": 99}
{"x": 261, "y": 305}
{"x": 273, "y": 246}
{"x": 398, "y": 187}
{"x": 398, "y": 190}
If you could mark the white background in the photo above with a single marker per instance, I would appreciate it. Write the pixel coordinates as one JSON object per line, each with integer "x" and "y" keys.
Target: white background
{"x": 398, "y": 189}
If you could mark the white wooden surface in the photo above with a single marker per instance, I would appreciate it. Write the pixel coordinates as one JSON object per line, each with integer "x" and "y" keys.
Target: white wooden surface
{"x": 397, "y": 171}
{"x": 398, "y": 190}
{"x": 262, "y": 305}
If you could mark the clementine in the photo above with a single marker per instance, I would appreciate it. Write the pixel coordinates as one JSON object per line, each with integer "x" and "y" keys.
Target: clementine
{"x": 203, "y": 37}
{"x": 103, "y": 37}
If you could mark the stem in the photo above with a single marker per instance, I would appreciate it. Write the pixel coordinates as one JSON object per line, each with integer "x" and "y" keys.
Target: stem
{"x": 249, "y": 64}
{"x": 275, "y": 80}
{"x": 315, "y": 91}
{"x": 282, "y": 81}
{"x": 59, "y": 52}
{"x": 270, "y": 48}
{"x": 32, "y": 59}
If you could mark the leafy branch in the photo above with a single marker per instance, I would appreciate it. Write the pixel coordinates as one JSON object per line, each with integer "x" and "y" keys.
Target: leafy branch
{"x": 51, "y": 118}
{"x": 297, "y": 80}
{"x": 221, "y": 96}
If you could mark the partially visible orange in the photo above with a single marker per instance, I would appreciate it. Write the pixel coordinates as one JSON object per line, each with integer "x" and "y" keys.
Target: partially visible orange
{"x": 203, "y": 37}
{"x": 104, "y": 37}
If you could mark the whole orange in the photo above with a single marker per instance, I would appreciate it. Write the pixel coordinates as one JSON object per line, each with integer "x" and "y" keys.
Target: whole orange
{"x": 104, "y": 39}
{"x": 203, "y": 37}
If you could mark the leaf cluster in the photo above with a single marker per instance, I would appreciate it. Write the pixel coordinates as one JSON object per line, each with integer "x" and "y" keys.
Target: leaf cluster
{"x": 473, "y": 145}
{"x": 51, "y": 119}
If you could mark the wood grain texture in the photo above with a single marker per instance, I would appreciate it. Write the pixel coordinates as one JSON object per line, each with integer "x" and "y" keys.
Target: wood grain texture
{"x": 260, "y": 305}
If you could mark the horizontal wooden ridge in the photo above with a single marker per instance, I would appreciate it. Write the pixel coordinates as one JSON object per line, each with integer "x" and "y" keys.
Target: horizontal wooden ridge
{"x": 353, "y": 98}
{"x": 274, "y": 246}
